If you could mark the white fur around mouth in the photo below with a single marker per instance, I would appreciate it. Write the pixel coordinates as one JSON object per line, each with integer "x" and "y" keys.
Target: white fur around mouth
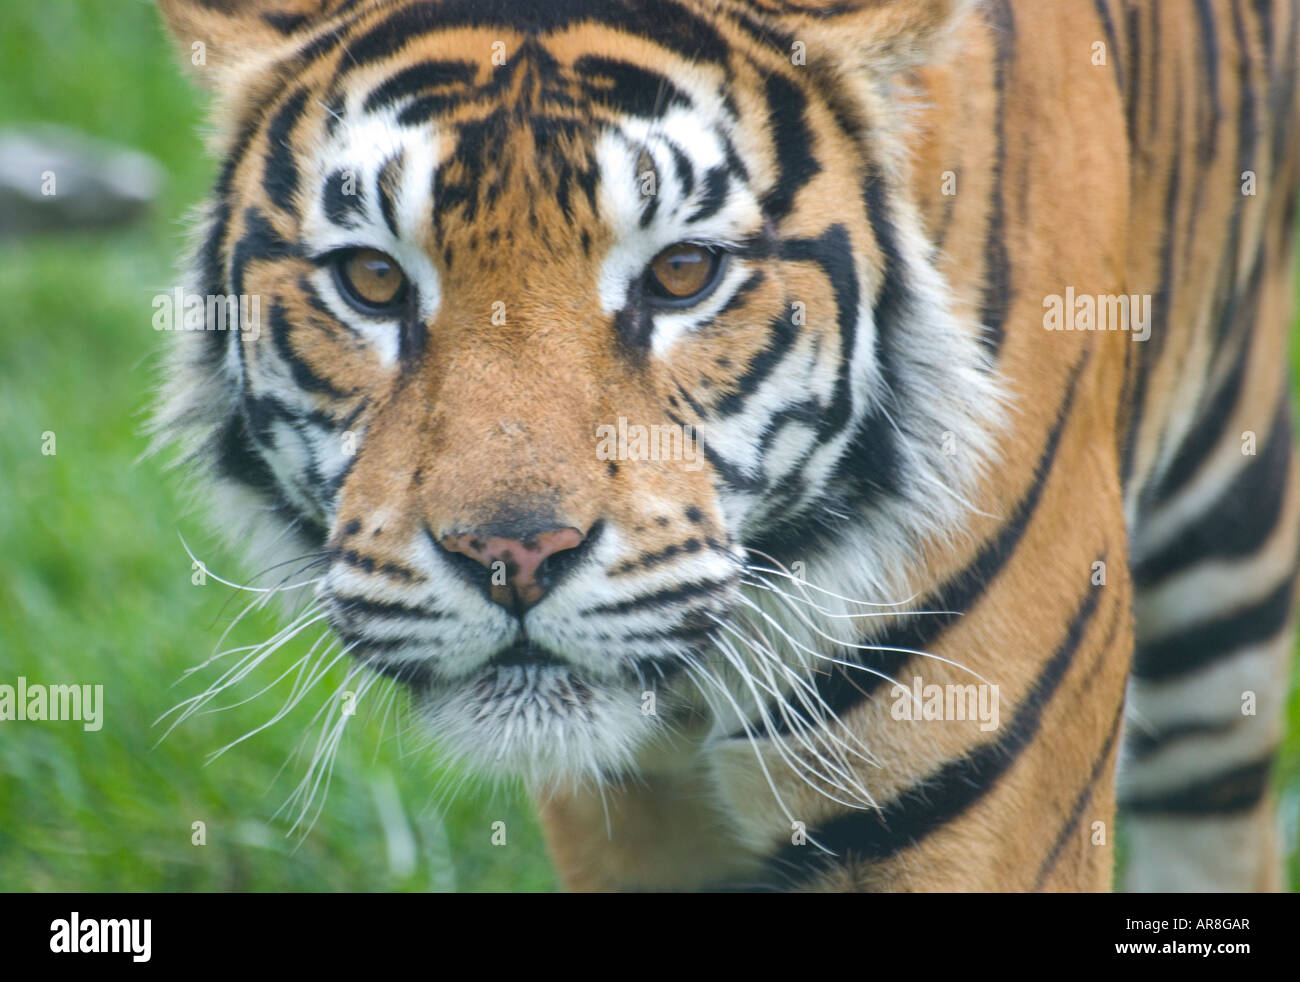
{"x": 539, "y": 722}
{"x": 505, "y": 692}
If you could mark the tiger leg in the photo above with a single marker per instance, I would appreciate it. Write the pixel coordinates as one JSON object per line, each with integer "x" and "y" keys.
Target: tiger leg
{"x": 1214, "y": 570}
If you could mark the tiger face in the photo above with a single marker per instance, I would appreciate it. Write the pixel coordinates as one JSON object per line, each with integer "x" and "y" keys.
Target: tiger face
{"x": 578, "y": 323}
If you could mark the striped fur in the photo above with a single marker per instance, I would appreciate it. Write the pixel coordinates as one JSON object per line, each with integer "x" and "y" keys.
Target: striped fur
{"x": 904, "y": 475}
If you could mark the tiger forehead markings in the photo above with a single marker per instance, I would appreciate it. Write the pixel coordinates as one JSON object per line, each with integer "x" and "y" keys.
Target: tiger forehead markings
{"x": 637, "y": 396}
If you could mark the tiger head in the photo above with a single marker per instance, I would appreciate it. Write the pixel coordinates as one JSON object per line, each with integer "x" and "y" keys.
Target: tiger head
{"x": 582, "y": 323}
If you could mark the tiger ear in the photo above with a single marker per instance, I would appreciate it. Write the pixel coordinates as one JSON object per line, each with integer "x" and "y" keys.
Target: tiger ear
{"x": 883, "y": 36}
{"x": 217, "y": 38}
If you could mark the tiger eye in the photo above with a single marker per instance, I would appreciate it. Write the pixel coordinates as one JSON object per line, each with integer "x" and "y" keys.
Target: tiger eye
{"x": 374, "y": 280}
{"x": 682, "y": 271}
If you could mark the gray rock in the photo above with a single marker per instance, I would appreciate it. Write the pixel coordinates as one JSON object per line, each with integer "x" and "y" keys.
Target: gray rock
{"x": 95, "y": 184}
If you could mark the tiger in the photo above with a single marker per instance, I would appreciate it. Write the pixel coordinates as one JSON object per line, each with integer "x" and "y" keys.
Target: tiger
{"x": 813, "y": 445}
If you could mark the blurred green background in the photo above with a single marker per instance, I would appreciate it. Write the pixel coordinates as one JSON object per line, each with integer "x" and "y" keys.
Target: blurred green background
{"x": 95, "y": 585}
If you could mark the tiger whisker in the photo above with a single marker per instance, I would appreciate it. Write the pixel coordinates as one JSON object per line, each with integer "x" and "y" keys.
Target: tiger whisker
{"x": 737, "y": 662}
{"x": 823, "y": 722}
{"x": 216, "y": 654}
{"x": 799, "y": 764}
{"x": 764, "y": 584}
{"x": 388, "y": 701}
{"x": 237, "y": 586}
{"x": 320, "y": 770}
{"x": 300, "y": 664}
{"x": 696, "y": 670}
{"x": 315, "y": 674}
{"x": 818, "y": 654}
{"x": 296, "y": 624}
{"x": 804, "y": 691}
{"x": 809, "y": 586}
{"x": 841, "y": 643}
{"x": 236, "y": 673}
{"x": 307, "y": 562}
{"x": 256, "y": 604}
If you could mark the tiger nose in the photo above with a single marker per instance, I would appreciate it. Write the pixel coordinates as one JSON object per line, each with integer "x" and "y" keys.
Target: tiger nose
{"x": 519, "y": 574}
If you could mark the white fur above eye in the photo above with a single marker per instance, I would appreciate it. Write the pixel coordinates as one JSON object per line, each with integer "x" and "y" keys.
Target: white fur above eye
{"x": 359, "y": 148}
{"x": 624, "y": 201}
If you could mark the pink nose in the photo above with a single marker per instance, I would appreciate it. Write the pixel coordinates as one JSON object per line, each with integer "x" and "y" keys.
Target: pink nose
{"x": 521, "y": 579}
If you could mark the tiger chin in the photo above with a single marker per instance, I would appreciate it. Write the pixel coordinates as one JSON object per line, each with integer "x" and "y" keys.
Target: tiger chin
{"x": 796, "y": 258}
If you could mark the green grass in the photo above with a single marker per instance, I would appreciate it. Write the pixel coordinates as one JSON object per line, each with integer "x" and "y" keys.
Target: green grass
{"x": 95, "y": 586}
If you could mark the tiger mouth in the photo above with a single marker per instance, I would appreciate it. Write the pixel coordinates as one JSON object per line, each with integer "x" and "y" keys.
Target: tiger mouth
{"x": 513, "y": 691}
{"x": 520, "y": 654}
{"x": 525, "y": 652}
{"x": 523, "y": 657}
